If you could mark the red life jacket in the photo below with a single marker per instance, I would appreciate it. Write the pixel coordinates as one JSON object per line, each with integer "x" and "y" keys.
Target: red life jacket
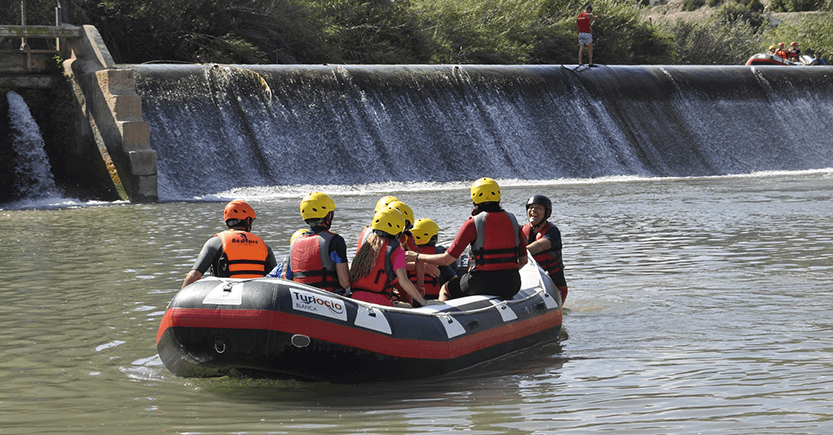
{"x": 362, "y": 236}
{"x": 382, "y": 278}
{"x": 583, "y": 22}
{"x": 549, "y": 260}
{"x": 497, "y": 243}
{"x": 310, "y": 262}
{"x": 244, "y": 255}
{"x": 432, "y": 284}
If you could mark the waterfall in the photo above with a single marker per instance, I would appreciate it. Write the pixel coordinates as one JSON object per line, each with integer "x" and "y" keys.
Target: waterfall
{"x": 217, "y": 128}
{"x": 32, "y": 169}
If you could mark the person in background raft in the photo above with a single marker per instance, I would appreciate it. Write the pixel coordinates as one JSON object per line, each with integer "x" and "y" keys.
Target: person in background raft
{"x": 235, "y": 252}
{"x": 781, "y": 52}
{"x": 585, "y": 36}
{"x": 794, "y": 54}
{"x": 318, "y": 257}
{"x": 544, "y": 240}
{"x": 425, "y": 232}
{"x": 817, "y": 59}
{"x": 380, "y": 262}
{"x": 497, "y": 248}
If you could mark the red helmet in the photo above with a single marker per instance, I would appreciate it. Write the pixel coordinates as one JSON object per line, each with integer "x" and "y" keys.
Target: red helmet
{"x": 792, "y": 44}
{"x": 238, "y": 209}
{"x": 780, "y": 44}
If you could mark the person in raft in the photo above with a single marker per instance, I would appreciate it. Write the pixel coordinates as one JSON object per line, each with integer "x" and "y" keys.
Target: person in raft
{"x": 497, "y": 248}
{"x": 318, "y": 257}
{"x": 278, "y": 271}
{"x": 380, "y": 262}
{"x": 544, "y": 240}
{"x": 406, "y": 241}
{"x": 425, "y": 232}
{"x": 380, "y": 204}
{"x": 235, "y": 252}
{"x": 585, "y": 36}
{"x": 781, "y": 52}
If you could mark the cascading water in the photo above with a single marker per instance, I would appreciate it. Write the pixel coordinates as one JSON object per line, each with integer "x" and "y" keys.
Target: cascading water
{"x": 32, "y": 169}
{"x": 217, "y": 128}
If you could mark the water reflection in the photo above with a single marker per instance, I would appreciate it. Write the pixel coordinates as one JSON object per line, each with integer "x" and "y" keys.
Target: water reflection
{"x": 697, "y": 305}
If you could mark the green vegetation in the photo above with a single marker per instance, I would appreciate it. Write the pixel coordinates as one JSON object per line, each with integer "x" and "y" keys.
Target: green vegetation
{"x": 430, "y": 31}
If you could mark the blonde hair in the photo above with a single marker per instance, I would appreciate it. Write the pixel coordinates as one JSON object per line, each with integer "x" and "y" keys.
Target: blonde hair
{"x": 365, "y": 259}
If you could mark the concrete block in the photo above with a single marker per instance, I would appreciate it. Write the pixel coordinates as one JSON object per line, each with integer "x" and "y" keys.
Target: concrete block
{"x": 147, "y": 189}
{"x": 142, "y": 162}
{"x": 117, "y": 81}
{"x": 135, "y": 135}
{"x": 126, "y": 107}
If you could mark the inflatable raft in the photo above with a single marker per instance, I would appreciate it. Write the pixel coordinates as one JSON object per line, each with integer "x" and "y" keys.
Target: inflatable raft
{"x": 278, "y": 328}
{"x": 771, "y": 59}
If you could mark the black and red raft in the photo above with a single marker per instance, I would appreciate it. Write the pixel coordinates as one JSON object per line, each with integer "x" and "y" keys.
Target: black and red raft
{"x": 277, "y": 328}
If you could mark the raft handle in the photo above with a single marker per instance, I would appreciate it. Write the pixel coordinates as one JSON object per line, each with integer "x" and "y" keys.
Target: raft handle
{"x": 219, "y": 346}
{"x": 300, "y": 340}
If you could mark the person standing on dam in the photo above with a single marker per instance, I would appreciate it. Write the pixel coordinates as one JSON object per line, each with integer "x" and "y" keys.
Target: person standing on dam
{"x": 585, "y": 36}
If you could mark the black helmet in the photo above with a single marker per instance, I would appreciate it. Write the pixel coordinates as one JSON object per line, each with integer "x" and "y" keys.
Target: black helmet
{"x": 542, "y": 200}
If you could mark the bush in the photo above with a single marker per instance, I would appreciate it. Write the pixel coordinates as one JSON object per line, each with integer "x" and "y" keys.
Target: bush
{"x": 733, "y": 13}
{"x": 714, "y": 42}
{"x": 800, "y": 5}
{"x": 693, "y": 5}
{"x": 366, "y": 31}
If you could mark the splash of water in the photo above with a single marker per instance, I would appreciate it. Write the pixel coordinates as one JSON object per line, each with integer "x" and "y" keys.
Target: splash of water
{"x": 32, "y": 170}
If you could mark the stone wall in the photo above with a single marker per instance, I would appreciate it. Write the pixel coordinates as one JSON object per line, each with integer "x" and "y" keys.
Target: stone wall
{"x": 109, "y": 115}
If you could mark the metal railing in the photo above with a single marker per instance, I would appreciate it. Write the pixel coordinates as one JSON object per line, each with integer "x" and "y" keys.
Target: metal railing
{"x": 60, "y": 31}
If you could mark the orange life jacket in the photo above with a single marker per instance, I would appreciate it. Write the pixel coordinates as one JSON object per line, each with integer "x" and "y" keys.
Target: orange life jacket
{"x": 549, "y": 260}
{"x": 382, "y": 278}
{"x": 310, "y": 262}
{"x": 244, "y": 255}
{"x": 498, "y": 241}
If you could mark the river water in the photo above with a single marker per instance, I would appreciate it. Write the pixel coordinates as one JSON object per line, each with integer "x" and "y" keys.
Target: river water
{"x": 696, "y": 305}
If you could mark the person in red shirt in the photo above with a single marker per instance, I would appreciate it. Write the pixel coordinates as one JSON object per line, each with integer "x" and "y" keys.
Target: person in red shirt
{"x": 794, "y": 54}
{"x": 497, "y": 246}
{"x": 585, "y": 37}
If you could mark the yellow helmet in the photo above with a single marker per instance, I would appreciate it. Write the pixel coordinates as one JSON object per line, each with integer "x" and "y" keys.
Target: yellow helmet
{"x": 316, "y": 205}
{"x": 424, "y": 230}
{"x": 383, "y": 202}
{"x": 485, "y": 190}
{"x": 406, "y": 211}
{"x": 297, "y": 233}
{"x": 389, "y": 220}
